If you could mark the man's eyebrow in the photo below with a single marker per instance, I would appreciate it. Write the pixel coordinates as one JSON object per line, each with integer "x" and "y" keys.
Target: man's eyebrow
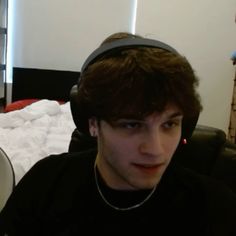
{"x": 168, "y": 116}
{"x": 174, "y": 115}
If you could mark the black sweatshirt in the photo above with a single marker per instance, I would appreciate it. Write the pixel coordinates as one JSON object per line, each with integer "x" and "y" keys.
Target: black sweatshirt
{"x": 58, "y": 196}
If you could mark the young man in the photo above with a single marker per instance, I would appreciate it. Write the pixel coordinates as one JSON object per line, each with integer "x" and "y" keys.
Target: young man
{"x": 138, "y": 98}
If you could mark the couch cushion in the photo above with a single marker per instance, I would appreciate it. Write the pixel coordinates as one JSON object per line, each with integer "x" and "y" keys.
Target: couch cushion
{"x": 201, "y": 151}
{"x": 225, "y": 166}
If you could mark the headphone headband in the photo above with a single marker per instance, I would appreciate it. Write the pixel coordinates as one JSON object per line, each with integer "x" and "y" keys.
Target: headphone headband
{"x": 126, "y": 43}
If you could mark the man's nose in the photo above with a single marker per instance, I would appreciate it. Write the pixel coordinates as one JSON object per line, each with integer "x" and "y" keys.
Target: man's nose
{"x": 152, "y": 144}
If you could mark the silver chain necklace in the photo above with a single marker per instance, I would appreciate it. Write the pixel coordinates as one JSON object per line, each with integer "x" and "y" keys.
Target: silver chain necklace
{"x": 120, "y": 208}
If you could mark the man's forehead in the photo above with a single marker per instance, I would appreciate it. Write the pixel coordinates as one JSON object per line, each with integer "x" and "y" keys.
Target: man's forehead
{"x": 168, "y": 112}
{"x": 171, "y": 108}
{"x": 165, "y": 114}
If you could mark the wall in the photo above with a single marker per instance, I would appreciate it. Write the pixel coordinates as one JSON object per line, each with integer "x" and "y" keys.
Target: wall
{"x": 59, "y": 34}
{"x": 205, "y": 32}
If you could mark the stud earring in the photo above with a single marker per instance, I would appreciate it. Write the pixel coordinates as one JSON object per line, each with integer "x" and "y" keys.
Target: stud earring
{"x": 93, "y": 133}
{"x": 184, "y": 141}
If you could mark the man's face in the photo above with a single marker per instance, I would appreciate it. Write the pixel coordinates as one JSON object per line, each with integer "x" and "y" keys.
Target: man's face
{"x": 133, "y": 154}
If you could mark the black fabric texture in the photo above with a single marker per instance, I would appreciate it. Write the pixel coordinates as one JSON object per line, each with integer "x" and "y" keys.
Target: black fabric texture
{"x": 58, "y": 196}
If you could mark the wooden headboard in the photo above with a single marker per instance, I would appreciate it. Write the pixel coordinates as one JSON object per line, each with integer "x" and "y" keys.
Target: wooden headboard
{"x": 37, "y": 83}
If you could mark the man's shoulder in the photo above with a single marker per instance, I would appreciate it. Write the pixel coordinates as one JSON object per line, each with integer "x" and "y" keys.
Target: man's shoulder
{"x": 73, "y": 159}
{"x": 218, "y": 196}
{"x": 212, "y": 195}
{"x": 60, "y": 166}
{"x": 204, "y": 182}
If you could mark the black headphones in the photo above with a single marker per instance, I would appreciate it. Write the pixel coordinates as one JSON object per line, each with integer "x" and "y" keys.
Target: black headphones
{"x": 130, "y": 42}
{"x": 120, "y": 44}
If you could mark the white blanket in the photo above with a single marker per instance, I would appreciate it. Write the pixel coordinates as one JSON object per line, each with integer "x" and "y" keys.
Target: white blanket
{"x": 32, "y": 133}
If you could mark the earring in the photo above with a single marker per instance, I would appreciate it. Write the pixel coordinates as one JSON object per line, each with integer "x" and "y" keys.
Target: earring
{"x": 184, "y": 141}
{"x": 93, "y": 133}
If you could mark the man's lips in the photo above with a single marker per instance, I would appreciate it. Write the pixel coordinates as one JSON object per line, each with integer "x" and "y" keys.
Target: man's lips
{"x": 149, "y": 168}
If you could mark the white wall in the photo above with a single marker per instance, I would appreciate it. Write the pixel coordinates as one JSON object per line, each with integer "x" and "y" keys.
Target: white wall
{"x": 204, "y": 31}
{"x": 59, "y": 34}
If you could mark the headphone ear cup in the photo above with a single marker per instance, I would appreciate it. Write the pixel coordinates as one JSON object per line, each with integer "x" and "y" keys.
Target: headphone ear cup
{"x": 74, "y": 105}
{"x": 79, "y": 82}
{"x": 79, "y": 111}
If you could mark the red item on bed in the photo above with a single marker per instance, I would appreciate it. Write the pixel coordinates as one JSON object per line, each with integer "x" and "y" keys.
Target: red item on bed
{"x": 17, "y": 105}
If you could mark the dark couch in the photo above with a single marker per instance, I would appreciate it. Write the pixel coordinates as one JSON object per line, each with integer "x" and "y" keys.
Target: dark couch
{"x": 207, "y": 152}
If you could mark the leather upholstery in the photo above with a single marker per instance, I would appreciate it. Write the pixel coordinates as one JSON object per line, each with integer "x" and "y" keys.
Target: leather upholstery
{"x": 209, "y": 152}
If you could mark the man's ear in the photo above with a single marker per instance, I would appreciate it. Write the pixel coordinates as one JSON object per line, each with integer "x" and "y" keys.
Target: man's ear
{"x": 93, "y": 126}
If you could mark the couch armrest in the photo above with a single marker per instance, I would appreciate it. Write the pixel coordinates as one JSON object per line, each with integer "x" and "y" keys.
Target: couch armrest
{"x": 202, "y": 149}
{"x": 225, "y": 166}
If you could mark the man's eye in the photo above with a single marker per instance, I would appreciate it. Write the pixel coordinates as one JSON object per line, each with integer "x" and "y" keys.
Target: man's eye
{"x": 172, "y": 124}
{"x": 130, "y": 125}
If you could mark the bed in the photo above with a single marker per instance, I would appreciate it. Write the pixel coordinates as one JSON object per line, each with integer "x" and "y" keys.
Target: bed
{"x": 38, "y": 121}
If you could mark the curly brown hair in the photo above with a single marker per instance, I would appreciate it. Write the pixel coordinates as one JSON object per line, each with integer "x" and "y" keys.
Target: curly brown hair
{"x": 136, "y": 82}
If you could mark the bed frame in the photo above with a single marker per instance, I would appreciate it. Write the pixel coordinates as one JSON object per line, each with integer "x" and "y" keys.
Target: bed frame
{"x": 37, "y": 83}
